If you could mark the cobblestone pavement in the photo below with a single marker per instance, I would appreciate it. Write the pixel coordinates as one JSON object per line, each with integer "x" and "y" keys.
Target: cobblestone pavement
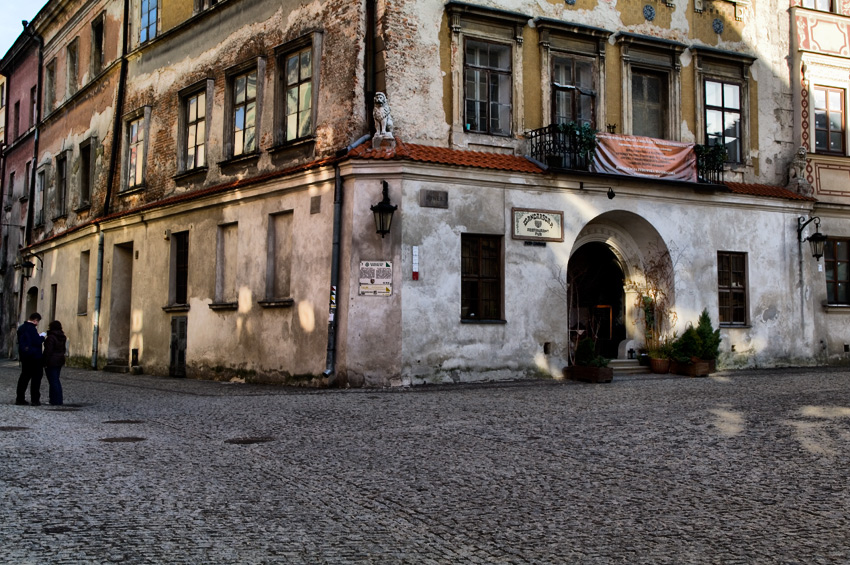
{"x": 748, "y": 467}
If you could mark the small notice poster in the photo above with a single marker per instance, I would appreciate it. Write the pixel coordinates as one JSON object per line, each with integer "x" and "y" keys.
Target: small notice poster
{"x": 376, "y": 278}
{"x": 540, "y": 225}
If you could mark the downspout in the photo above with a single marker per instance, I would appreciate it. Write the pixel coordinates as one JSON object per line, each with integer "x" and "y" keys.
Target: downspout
{"x": 110, "y": 181}
{"x": 37, "y": 119}
{"x": 330, "y": 365}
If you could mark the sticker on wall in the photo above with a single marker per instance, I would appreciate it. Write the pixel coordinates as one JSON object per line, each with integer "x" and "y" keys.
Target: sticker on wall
{"x": 717, "y": 25}
{"x": 649, "y": 12}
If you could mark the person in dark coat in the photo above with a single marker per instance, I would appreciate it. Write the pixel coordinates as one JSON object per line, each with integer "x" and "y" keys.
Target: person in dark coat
{"x": 54, "y": 359}
{"x": 29, "y": 351}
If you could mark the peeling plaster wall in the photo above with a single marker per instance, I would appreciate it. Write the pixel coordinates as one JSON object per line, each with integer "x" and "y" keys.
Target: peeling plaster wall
{"x": 435, "y": 346}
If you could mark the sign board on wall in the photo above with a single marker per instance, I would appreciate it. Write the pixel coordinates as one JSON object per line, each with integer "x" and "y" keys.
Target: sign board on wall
{"x": 538, "y": 225}
{"x": 376, "y": 278}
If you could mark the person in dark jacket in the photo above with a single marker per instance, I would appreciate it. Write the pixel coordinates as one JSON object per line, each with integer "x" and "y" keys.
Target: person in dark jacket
{"x": 54, "y": 358}
{"x": 29, "y": 351}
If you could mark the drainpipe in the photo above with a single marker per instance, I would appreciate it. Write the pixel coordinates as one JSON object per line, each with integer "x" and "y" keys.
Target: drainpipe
{"x": 98, "y": 286}
{"x": 330, "y": 365}
{"x": 110, "y": 181}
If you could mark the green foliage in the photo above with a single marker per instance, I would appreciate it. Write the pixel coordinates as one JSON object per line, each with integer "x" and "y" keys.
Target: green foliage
{"x": 709, "y": 336}
{"x": 664, "y": 349}
{"x": 712, "y": 156}
{"x": 586, "y": 354}
{"x": 688, "y": 346}
{"x": 584, "y": 136}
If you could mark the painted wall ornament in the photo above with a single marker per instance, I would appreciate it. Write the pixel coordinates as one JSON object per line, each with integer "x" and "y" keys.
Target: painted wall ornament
{"x": 717, "y": 24}
{"x": 649, "y": 12}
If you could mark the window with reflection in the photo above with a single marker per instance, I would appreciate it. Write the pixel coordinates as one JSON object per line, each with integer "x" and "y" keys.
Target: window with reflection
{"x": 837, "y": 265}
{"x": 487, "y": 92}
{"x": 573, "y": 93}
{"x": 829, "y": 120}
{"x": 245, "y": 113}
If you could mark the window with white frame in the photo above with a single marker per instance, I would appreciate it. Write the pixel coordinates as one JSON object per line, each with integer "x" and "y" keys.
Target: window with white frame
{"x": 244, "y": 112}
{"x": 488, "y": 86}
{"x": 830, "y": 120}
{"x": 296, "y": 83}
{"x": 148, "y": 21}
{"x": 135, "y": 152}
{"x": 723, "y": 117}
{"x": 195, "y": 116}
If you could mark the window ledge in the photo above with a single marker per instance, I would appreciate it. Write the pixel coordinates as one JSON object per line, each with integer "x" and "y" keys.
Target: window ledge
{"x": 277, "y": 303}
{"x": 82, "y": 313}
{"x": 82, "y": 207}
{"x": 59, "y": 217}
{"x": 250, "y": 158}
{"x": 844, "y": 308}
{"x": 224, "y": 306}
{"x": 184, "y": 175}
{"x": 472, "y": 321}
{"x": 7, "y": 208}
{"x": 734, "y": 326}
{"x": 292, "y": 144}
{"x": 133, "y": 190}
{"x": 176, "y": 308}
{"x": 23, "y": 198}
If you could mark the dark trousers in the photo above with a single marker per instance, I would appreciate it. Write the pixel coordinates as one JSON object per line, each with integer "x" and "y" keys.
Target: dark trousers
{"x": 52, "y": 374}
{"x": 31, "y": 371}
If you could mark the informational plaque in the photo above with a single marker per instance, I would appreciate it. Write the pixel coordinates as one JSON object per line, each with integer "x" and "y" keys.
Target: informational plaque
{"x": 433, "y": 198}
{"x": 376, "y": 278}
{"x": 537, "y": 225}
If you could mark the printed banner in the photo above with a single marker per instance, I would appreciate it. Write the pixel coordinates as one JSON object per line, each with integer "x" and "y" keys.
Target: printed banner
{"x": 644, "y": 157}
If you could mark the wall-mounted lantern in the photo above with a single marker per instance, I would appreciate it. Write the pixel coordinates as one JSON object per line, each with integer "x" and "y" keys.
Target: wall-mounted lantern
{"x": 816, "y": 240}
{"x": 27, "y": 266}
{"x": 383, "y": 212}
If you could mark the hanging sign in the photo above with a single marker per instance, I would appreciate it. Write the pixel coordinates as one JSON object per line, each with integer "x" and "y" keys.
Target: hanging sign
{"x": 540, "y": 225}
{"x": 639, "y": 156}
{"x": 376, "y": 278}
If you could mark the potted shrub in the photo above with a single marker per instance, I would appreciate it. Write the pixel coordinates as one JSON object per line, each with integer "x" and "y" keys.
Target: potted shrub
{"x": 710, "y": 341}
{"x": 589, "y": 366}
{"x": 686, "y": 355}
{"x": 660, "y": 356}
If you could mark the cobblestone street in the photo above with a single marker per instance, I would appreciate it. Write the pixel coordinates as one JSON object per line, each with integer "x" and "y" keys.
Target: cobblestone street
{"x": 748, "y": 467}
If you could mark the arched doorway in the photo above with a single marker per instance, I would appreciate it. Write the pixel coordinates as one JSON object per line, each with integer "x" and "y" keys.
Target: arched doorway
{"x": 596, "y": 297}
{"x": 32, "y": 302}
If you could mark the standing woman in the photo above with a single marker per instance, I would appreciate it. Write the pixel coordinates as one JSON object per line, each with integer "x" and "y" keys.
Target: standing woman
{"x": 54, "y": 358}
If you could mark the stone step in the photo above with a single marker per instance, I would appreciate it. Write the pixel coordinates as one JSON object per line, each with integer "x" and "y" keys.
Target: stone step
{"x": 627, "y": 367}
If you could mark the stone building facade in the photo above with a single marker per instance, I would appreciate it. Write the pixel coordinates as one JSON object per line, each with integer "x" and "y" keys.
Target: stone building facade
{"x": 230, "y": 229}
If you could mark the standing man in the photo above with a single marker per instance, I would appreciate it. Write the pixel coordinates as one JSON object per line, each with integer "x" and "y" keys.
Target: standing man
{"x": 29, "y": 348}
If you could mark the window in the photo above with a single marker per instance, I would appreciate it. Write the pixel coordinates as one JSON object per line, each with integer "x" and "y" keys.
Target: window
{"x": 49, "y": 86}
{"x": 179, "y": 283}
{"x": 297, "y": 84}
{"x": 279, "y": 257}
{"x": 16, "y": 118}
{"x": 226, "y": 257}
{"x": 573, "y": 94}
{"x": 195, "y": 111}
{"x": 27, "y": 181}
{"x": 649, "y": 104}
{"x": 723, "y": 117}
{"x": 11, "y": 188}
{"x": 39, "y": 198}
{"x": 33, "y": 106}
{"x": 147, "y": 27}
{"x": 481, "y": 277}
{"x": 97, "y": 45}
{"x": 83, "y": 287}
{"x": 72, "y": 62}
{"x": 837, "y": 263}
{"x": 732, "y": 287}
{"x": 61, "y": 186}
{"x": 136, "y": 155}
{"x": 85, "y": 172}
{"x": 829, "y": 120}
{"x": 824, "y": 5}
{"x": 487, "y": 72}
{"x": 244, "y": 115}
{"x": 53, "y": 296}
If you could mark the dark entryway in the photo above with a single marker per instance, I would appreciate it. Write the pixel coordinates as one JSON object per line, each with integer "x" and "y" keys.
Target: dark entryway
{"x": 596, "y": 298}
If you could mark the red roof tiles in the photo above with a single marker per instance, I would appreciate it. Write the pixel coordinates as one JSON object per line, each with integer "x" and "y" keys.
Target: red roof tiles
{"x": 447, "y": 156}
{"x": 766, "y": 190}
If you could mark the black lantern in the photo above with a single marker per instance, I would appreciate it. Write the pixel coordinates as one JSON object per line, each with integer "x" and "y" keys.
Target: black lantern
{"x": 816, "y": 240}
{"x": 27, "y": 266}
{"x": 383, "y": 212}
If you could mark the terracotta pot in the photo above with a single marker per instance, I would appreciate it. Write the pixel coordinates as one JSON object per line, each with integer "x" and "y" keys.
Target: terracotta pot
{"x": 660, "y": 366}
{"x": 696, "y": 368}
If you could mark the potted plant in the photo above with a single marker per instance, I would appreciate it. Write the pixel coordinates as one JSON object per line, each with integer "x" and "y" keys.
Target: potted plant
{"x": 686, "y": 355}
{"x": 660, "y": 356}
{"x": 589, "y": 366}
{"x": 710, "y": 341}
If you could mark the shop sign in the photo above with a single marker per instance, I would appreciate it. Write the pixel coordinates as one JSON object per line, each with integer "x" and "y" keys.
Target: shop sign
{"x": 539, "y": 225}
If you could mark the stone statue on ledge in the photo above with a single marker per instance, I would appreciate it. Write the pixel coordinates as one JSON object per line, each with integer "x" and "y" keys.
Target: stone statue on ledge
{"x": 383, "y": 123}
{"x": 797, "y": 174}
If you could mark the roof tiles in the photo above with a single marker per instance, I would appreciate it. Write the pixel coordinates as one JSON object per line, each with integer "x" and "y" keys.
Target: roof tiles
{"x": 767, "y": 190}
{"x": 446, "y": 156}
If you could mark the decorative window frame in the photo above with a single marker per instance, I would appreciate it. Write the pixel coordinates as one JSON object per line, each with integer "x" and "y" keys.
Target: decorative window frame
{"x": 259, "y": 64}
{"x": 315, "y": 40}
{"x": 145, "y": 114}
{"x": 91, "y": 144}
{"x": 558, "y": 38}
{"x": 61, "y": 211}
{"x": 485, "y": 24}
{"x": 640, "y": 52}
{"x": 746, "y": 291}
{"x": 724, "y": 66}
{"x": 207, "y": 86}
{"x": 832, "y": 72}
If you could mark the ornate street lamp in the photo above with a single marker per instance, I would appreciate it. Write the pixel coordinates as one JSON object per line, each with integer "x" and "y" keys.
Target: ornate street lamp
{"x": 816, "y": 240}
{"x": 383, "y": 212}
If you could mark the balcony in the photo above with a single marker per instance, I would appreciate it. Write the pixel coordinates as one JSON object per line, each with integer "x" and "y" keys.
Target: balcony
{"x": 571, "y": 148}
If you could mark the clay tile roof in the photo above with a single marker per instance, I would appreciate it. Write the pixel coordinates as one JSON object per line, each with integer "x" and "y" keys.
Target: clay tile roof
{"x": 766, "y": 190}
{"x": 446, "y": 156}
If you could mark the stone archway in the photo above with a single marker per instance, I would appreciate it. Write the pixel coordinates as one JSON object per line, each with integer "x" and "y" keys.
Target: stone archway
{"x": 623, "y": 244}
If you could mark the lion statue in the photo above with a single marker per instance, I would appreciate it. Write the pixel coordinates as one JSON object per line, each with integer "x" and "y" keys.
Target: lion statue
{"x": 383, "y": 118}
